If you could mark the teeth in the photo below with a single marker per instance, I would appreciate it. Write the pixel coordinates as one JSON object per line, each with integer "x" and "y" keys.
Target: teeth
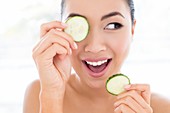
{"x": 96, "y": 63}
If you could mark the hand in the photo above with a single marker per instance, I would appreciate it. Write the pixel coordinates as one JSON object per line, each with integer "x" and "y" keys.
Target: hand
{"x": 135, "y": 100}
{"x": 51, "y": 56}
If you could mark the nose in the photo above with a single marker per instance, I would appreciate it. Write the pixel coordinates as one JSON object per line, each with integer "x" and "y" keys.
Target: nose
{"x": 95, "y": 43}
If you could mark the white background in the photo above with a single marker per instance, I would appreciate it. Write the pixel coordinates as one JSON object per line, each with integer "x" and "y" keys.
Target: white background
{"x": 148, "y": 62}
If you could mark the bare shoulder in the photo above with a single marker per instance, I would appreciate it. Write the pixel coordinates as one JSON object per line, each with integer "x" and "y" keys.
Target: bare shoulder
{"x": 31, "y": 98}
{"x": 160, "y": 104}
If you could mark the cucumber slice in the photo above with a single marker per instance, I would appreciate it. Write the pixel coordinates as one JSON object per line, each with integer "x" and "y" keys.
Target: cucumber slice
{"x": 78, "y": 28}
{"x": 115, "y": 84}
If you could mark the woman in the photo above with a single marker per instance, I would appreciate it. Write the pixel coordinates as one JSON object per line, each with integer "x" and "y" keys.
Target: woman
{"x": 112, "y": 26}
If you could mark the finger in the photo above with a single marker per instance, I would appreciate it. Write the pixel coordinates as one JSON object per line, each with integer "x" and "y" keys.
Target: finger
{"x": 117, "y": 110}
{"x": 49, "y": 40}
{"x": 55, "y": 36}
{"x": 130, "y": 102}
{"x": 51, "y": 25}
{"x": 46, "y": 27}
{"x": 45, "y": 44}
{"x": 143, "y": 88}
{"x": 123, "y": 109}
{"x": 38, "y": 44}
{"x": 133, "y": 94}
{"x": 59, "y": 53}
{"x": 67, "y": 37}
{"x": 54, "y": 50}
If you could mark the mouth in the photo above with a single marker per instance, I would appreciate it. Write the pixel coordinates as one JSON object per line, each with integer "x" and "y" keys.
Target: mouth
{"x": 97, "y": 68}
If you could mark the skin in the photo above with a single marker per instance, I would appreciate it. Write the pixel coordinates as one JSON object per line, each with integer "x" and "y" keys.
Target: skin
{"x": 57, "y": 91}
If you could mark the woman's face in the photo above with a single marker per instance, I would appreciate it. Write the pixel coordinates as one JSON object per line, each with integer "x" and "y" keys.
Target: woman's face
{"x": 103, "y": 51}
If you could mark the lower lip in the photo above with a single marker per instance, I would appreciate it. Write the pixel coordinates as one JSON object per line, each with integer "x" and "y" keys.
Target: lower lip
{"x": 96, "y": 75}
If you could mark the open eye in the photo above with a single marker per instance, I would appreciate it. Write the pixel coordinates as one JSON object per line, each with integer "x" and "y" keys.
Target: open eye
{"x": 113, "y": 26}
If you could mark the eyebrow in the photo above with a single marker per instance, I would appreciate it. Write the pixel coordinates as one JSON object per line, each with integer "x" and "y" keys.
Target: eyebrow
{"x": 103, "y": 17}
{"x": 111, "y": 14}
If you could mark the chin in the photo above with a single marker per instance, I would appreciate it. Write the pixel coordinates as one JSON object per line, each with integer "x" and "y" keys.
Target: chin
{"x": 96, "y": 84}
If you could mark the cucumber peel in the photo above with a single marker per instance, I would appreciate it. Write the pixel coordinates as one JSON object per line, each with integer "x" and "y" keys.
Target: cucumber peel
{"x": 78, "y": 28}
{"x": 116, "y": 83}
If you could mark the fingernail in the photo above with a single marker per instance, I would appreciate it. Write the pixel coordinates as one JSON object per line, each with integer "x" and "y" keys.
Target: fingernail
{"x": 64, "y": 24}
{"x": 75, "y": 45}
{"x": 127, "y": 87}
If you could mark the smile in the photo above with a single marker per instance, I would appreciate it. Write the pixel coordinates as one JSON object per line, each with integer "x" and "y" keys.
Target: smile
{"x": 97, "y": 68}
{"x": 99, "y": 63}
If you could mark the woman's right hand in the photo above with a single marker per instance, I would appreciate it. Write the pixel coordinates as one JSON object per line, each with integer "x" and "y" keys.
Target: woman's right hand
{"x": 51, "y": 56}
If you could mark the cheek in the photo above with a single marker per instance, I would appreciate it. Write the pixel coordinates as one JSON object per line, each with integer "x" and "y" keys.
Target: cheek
{"x": 120, "y": 43}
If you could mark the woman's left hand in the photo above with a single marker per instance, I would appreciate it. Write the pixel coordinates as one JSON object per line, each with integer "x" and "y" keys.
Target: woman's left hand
{"x": 135, "y": 100}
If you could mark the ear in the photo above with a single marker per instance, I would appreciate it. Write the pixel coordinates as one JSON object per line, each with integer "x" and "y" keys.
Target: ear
{"x": 133, "y": 27}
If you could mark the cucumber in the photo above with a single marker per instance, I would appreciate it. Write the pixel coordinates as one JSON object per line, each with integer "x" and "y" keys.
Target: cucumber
{"x": 115, "y": 84}
{"x": 78, "y": 28}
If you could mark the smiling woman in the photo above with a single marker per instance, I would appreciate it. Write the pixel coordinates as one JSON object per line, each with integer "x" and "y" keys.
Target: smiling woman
{"x": 94, "y": 59}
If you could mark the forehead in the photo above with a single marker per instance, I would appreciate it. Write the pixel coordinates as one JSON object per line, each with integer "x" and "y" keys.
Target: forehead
{"x": 96, "y": 8}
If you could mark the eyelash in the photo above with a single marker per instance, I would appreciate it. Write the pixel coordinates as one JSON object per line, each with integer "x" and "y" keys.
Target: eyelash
{"x": 116, "y": 26}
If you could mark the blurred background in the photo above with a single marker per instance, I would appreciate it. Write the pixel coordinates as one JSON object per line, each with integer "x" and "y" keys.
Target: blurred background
{"x": 148, "y": 62}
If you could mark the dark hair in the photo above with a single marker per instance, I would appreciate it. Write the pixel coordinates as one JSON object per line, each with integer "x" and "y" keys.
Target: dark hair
{"x": 132, "y": 9}
{"x": 62, "y": 7}
{"x": 129, "y": 2}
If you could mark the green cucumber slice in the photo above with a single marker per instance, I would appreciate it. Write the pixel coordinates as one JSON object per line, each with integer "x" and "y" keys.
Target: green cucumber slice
{"x": 115, "y": 84}
{"x": 78, "y": 28}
